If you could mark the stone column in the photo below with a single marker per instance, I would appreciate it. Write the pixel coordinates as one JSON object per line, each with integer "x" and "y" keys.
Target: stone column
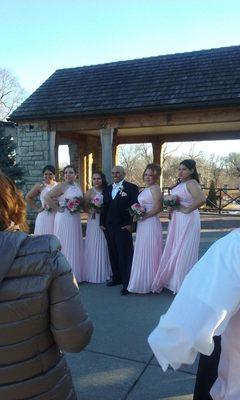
{"x": 157, "y": 156}
{"x": 52, "y": 144}
{"x": 106, "y": 141}
{"x": 74, "y": 155}
{"x": 34, "y": 151}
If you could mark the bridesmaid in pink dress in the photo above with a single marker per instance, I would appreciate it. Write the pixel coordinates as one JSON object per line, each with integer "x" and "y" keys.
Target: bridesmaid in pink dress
{"x": 148, "y": 245}
{"x": 97, "y": 268}
{"x": 44, "y": 223}
{"x": 182, "y": 244}
{"x": 67, "y": 226}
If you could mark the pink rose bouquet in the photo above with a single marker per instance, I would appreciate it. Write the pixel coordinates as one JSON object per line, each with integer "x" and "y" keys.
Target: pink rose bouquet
{"x": 137, "y": 211}
{"x": 73, "y": 205}
{"x": 172, "y": 201}
{"x": 96, "y": 204}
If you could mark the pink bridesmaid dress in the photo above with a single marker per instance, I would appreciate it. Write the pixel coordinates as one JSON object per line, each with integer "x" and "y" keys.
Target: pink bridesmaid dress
{"x": 68, "y": 229}
{"x": 182, "y": 245}
{"x": 147, "y": 250}
{"x": 44, "y": 223}
{"x": 97, "y": 269}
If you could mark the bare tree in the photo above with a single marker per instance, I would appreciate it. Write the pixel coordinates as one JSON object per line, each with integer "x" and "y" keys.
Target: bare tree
{"x": 11, "y": 93}
{"x": 134, "y": 159}
{"x": 193, "y": 153}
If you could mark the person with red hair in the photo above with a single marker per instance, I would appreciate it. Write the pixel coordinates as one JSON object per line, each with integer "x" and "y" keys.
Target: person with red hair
{"x": 40, "y": 308}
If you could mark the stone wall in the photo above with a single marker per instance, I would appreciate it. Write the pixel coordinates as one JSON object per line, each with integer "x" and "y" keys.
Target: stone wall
{"x": 33, "y": 153}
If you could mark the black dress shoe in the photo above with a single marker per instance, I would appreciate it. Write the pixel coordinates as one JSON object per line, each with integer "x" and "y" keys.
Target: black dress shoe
{"x": 124, "y": 292}
{"x": 113, "y": 283}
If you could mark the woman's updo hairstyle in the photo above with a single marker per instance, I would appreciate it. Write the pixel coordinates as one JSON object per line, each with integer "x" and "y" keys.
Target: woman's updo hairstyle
{"x": 155, "y": 168}
{"x": 50, "y": 168}
{"x": 69, "y": 166}
{"x": 191, "y": 164}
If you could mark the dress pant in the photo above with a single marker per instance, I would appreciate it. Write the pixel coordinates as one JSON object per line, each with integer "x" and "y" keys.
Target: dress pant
{"x": 207, "y": 372}
{"x": 120, "y": 248}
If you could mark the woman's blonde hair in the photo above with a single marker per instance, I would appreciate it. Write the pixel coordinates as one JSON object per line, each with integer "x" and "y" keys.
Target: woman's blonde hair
{"x": 12, "y": 205}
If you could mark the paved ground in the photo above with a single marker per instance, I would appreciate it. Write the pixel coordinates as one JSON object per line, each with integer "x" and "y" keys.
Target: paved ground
{"x": 118, "y": 364}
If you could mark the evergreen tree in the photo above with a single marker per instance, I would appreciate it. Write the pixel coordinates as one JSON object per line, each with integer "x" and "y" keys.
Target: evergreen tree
{"x": 212, "y": 196}
{"x": 8, "y": 163}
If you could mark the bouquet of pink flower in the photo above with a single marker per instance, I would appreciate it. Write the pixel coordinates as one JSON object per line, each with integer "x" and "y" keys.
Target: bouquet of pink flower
{"x": 137, "y": 211}
{"x": 96, "y": 204}
{"x": 73, "y": 205}
{"x": 172, "y": 201}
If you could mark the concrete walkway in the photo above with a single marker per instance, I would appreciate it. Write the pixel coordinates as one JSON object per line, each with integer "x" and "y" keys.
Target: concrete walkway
{"x": 118, "y": 364}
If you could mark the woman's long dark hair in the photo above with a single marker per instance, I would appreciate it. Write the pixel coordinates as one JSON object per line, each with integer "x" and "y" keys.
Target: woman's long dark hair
{"x": 190, "y": 164}
{"x": 103, "y": 177}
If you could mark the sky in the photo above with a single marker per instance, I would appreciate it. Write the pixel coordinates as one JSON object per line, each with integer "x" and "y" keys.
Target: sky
{"x": 38, "y": 37}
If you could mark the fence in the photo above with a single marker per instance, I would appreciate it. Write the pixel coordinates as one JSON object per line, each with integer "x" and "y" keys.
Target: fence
{"x": 227, "y": 200}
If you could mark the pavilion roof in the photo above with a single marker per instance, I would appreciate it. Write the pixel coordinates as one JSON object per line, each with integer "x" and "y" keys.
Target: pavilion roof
{"x": 205, "y": 78}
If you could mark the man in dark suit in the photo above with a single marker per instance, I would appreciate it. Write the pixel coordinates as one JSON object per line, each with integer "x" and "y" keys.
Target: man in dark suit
{"x": 116, "y": 222}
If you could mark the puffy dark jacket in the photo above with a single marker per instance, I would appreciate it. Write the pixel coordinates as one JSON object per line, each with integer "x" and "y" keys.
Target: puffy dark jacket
{"x": 40, "y": 313}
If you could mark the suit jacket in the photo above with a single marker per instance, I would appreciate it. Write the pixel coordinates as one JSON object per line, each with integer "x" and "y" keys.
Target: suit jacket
{"x": 115, "y": 211}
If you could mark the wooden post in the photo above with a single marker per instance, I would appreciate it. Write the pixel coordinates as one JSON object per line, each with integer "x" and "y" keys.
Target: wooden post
{"x": 158, "y": 157}
{"x": 115, "y": 154}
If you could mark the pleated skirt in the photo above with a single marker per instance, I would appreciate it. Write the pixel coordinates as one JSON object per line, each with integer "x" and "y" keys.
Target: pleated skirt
{"x": 97, "y": 268}
{"x": 44, "y": 223}
{"x": 68, "y": 229}
{"x": 147, "y": 255}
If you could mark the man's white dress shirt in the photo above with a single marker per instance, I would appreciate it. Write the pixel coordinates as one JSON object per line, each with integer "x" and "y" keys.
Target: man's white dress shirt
{"x": 115, "y": 188}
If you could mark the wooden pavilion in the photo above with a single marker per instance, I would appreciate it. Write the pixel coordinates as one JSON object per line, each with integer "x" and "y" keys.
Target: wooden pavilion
{"x": 180, "y": 97}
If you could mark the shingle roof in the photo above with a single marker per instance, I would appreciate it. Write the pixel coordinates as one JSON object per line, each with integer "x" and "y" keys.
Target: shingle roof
{"x": 194, "y": 79}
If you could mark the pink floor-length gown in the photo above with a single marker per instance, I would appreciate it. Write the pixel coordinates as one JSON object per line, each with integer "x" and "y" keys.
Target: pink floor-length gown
{"x": 182, "y": 245}
{"x": 147, "y": 250}
{"x": 44, "y": 223}
{"x": 68, "y": 229}
{"x": 97, "y": 268}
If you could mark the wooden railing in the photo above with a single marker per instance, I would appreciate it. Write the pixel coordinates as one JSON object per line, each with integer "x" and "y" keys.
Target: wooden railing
{"x": 227, "y": 200}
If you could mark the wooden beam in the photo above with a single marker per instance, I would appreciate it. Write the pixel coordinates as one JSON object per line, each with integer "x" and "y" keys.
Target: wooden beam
{"x": 189, "y": 137}
{"x": 145, "y": 119}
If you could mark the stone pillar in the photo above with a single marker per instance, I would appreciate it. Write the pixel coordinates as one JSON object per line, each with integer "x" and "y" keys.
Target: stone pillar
{"x": 157, "y": 157}
{"x": 57, "y": 161}
{"x": 106, "y": 141}
{"x": 74, "y": 155}
{"x": 52, "y": 144}
{"x": 34, "y": 151}
{"x": 81, "y": 168}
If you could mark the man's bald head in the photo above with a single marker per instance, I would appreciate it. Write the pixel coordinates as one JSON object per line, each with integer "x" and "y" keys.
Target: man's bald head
{"x": 118, "y": 173}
